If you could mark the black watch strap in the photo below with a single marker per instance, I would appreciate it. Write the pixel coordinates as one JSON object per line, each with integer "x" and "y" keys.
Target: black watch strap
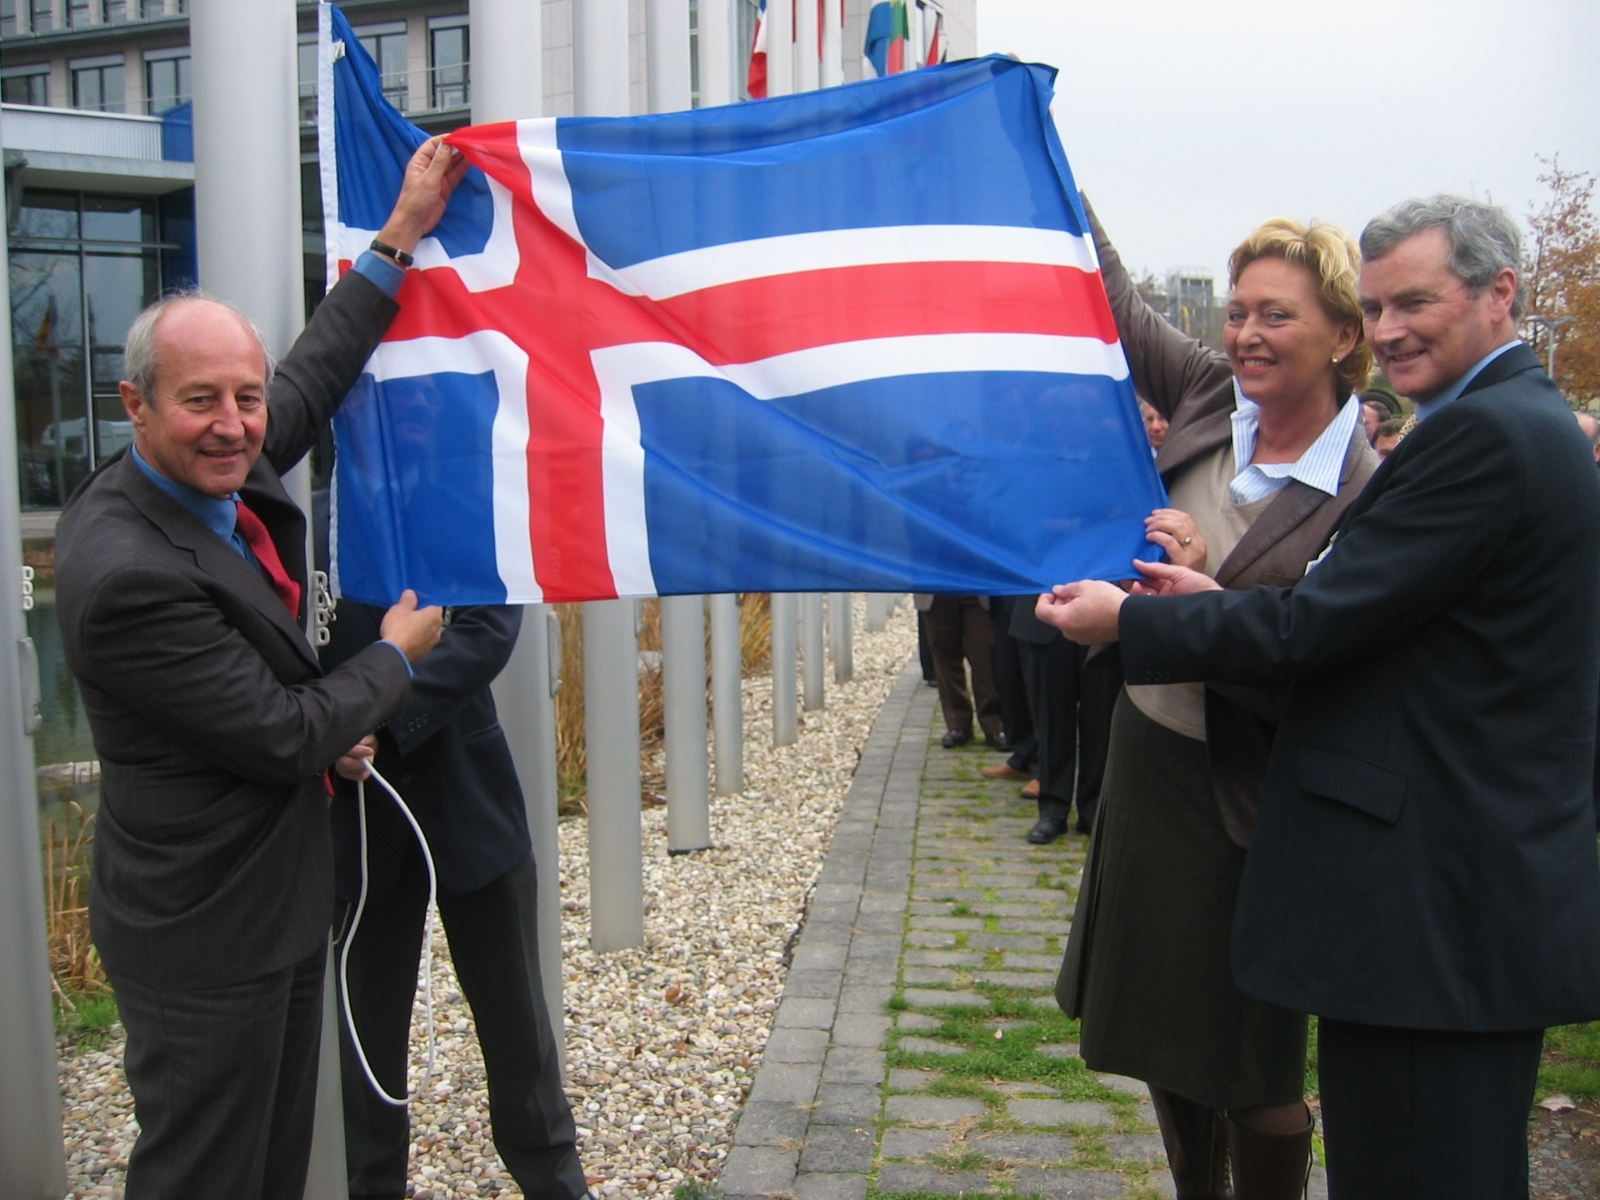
{"x": 400, "y": 256}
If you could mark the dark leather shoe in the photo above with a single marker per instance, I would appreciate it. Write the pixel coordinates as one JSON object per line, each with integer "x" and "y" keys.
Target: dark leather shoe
{"x": 1046, "y": 830}
{"x": 953, "y": 739}
{"x": 1004, "y": 771}
{"x": 997, "y": 741}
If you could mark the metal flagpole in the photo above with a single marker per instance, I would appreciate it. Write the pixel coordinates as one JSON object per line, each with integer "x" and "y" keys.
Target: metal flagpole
{"x": 780, "y": 49}
{"x": 717, "y": 53}
{"x": 508, "y": 85}
{"x": 683, "y": 685}
{"x": 840, "y": 647}
{"x": 832, "y": 43}
{"x": 811, "y": 650}
{"x": 879, "y": 607}
{"x": 250, "y": 250}
{"x": 611, "y": 737}
{"x": 785, "y": 720}
{"x": 807, "y": 64}
{"x": 32, "y": 1166}
{"x": 727, "y": 713}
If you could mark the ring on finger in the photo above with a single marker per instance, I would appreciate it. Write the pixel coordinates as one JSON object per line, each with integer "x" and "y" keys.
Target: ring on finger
{"x": 1188, "y": 541}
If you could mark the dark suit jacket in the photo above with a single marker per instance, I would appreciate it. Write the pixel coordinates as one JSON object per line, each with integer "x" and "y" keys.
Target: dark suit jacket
{"x": 1424, "y": 854}
{"x": 445, "y": 754}
{"x": 1192, "y": 386}
{"x": 211, "y": 716}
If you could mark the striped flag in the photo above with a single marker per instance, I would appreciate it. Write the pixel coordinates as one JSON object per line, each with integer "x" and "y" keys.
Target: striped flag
{"x": 756, "y": 77}
{"x": 850, "y": 340}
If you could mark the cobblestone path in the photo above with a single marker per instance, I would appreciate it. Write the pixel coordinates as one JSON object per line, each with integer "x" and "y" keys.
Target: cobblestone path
{"x": 918, "y": 1050}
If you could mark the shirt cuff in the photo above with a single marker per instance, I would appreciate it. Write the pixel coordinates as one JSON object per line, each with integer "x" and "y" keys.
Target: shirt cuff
{"x": 387, "y": 275}
{"x": 402, "y": 655}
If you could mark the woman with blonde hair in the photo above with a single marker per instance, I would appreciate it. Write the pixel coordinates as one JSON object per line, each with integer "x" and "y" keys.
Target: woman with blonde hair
{"x": 1264, "y": 451}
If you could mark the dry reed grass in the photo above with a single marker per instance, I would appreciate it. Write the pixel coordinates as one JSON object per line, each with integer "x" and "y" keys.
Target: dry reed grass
{"x": 74, "y": 962}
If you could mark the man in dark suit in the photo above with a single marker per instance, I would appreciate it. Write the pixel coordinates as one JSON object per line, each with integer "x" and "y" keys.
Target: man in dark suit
{"x": 448, "y": 758}
{"x": 181, "y": 581}
{"x": 1423, "y": 873}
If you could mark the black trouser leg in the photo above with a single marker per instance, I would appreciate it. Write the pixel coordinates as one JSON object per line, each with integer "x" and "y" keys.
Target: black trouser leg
{"x": 494, "y": 944}
{"x": 945, "y": 627}
{"x": 925, "y": 649}
{"x": 1051, "y": 673}
{"x": 1412, "y": 1114}
{"x": 224, "y": 1085}
{"x": 382, "y": 979}
{"x": 1100, "y": 680}
{"x": 1008, "y": 682}
{"x": 977, "y": 646}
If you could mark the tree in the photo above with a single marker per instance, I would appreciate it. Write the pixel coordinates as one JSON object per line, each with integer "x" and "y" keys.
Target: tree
{"x": 1564, "y": 280}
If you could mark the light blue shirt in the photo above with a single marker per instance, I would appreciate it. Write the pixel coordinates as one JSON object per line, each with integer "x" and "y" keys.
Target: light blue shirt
{"x": 1426, "y": 408}
{"x": 221, "y": 516}
{"x": 388, "y": 275}
{"x": 1319, "y": 467}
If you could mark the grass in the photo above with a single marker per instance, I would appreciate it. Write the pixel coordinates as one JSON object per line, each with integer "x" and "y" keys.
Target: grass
{"x": 86, "y": 1019}
{"x": 1572, "y": 1062}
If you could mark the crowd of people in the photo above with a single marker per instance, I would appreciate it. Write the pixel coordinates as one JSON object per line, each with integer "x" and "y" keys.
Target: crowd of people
{"x": 1335, "y": 752}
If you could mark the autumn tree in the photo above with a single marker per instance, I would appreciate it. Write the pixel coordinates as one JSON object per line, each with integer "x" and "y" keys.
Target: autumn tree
{"x": 1563, "y": 277}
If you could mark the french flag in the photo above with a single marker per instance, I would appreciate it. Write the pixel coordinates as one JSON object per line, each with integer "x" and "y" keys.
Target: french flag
{"x": 850, "y": 340}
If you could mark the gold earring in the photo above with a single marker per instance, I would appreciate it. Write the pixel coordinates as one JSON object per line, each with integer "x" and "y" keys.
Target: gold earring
{"x": 1335, "y": 360}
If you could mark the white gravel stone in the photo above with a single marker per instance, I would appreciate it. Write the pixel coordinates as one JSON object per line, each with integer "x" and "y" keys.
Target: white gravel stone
{"x": 663, "y": 1041}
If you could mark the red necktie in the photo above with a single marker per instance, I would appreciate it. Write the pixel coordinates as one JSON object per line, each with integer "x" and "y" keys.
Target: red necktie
{"x": 260, "y": 543}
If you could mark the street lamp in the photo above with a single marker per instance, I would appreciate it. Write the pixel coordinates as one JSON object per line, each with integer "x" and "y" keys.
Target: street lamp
{"x": 1551, "y": 328}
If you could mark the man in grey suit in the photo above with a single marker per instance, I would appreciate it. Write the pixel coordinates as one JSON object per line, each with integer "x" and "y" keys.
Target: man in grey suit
{"x": 1423, "y": 873}
{"x": 181, "y": 584}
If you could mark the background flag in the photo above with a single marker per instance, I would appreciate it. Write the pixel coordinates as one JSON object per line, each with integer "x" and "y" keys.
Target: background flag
{"x": 850, "y": 340}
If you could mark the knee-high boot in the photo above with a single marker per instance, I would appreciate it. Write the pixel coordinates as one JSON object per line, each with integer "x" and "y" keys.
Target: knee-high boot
{"x": 1269, "y": 1166}
{"x": 1197, "y": 1146}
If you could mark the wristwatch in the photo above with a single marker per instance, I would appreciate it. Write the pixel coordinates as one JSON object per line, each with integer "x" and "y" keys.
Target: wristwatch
{"x": 388, "y": 251}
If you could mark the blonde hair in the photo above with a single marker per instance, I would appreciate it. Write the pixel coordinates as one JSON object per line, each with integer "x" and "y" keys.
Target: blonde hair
{"x": 1332, "y": 257}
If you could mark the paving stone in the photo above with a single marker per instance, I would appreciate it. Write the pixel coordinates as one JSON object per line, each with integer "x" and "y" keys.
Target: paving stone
{"x": 920, "y": 1045}
{"x": 818, "y": 1185}
{"x": 1023, "y": 895}
{"x": 905, "y": 1079}
{"x": 935, "y": 1110}
{"x": 796, "y": 1046}
{"x": 800, "y": 1013}
{"x": 952, "y": 924}
{"x": 931, "y": 940}
{"x": 1067, "y": 1185}
{"x": 758, "y": 1171}
{"x": 1029, "y": 911}
{"x": 1038, "y": 980}
{"x": 1059, "y": 1112}
{"x": 836, "y": 1148}
{"x": 925, "y": 975}
{"x": 818, "y": 957}
{"x": 812, "y": 985}
{"x": 912, "y": 1143}
{"x": 941, "y": 893}
{"x": 770, "y": 1124}
{"x": 860, "y": 1029}
{"x": 881, "y": 922}
{"x": 865, "y": 971}
{"x": 1033, "y": 925}
{"x": 845, "y": 1104}
{"x": 1134, "y": 1087}
{"x": 864, "y": 998}
{"x": 883, "y": 902}
{"x": 1002, "y": 941}
{"x": 925, "y": 998}
{"x": 1063, "y": 1050}
{"x": 944, "y": 958}
{"x": 1017, "y": 961}
{"x": 852, "y": 1064}
{"x": 825, "y": 928}
{"x": 1147, "y": 1114}
{"x": 1024, "y": 1088}
{"x": 916, "y": 1020}
{"x": 1021, "y": 1147}
{"x": 908, "y": 1177}
{"x": 787, "y": 1083}
{"x": 1141, "y": 1147}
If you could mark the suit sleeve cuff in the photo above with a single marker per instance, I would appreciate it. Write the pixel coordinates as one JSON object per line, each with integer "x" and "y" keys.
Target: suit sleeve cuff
{"x": 402, "y": 655}
{"x": 385, "y": 274}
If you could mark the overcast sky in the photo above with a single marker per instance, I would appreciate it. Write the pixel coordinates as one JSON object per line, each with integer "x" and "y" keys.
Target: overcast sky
{"x": 1189, "y": 121}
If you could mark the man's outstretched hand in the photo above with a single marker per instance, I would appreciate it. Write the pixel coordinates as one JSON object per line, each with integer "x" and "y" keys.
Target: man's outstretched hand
{"x": 431, "y": 176}
{"x": 415, "y": 630}
{"x": 1088, "y": 611}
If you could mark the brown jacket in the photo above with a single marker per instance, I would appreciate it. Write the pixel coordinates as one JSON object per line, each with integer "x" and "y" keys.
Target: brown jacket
{"x": 1193, "y": 388}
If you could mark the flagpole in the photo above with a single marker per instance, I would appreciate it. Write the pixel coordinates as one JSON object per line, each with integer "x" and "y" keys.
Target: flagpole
{"x": 811, "y": 650}
{"x": 727, "y": 699}
{"x": 716, "y": 53}
{"x": 780, "y": 48}
{"x": 785, "y": 718}
{"x": 832, "y": 43}
{"x": 840, "y": 637}
{"x": 806, "y": 52}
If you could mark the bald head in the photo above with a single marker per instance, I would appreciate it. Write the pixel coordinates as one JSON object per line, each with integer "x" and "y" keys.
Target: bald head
{"x": 1590, "y": 425}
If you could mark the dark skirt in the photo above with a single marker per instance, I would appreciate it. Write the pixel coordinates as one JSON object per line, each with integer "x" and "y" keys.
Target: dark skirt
{"x": 1148, "y": 964}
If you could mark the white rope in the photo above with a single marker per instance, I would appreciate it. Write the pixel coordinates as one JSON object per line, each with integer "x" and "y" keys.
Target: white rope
{"x": 355, "y": 921}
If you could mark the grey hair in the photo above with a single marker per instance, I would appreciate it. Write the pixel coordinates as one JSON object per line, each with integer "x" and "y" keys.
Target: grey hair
{"x": 1484, "y": 240}
{"x": 139, "y": 357}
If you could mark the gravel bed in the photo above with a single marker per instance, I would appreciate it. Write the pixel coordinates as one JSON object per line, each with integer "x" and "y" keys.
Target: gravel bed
{"x": 662, "y": 1041}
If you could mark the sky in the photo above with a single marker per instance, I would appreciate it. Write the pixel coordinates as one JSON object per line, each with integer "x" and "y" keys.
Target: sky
{"x": 1187, "y": 122}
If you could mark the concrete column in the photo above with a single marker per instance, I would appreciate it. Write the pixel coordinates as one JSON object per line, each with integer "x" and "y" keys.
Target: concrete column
{"x": 247, "y": 233}
{"x": 507, "y": 85}
{"x": 611, "y": 736}
{"x": 780, "y": 49}
{"x": 879, "y": 606}
{"x": 727, "y": 711}
{"x": 717, "y": 53}
{"x": 840, "y": 647}
{"x": 811, "y": 650}
{"x": 807, "y": 67}
{"x": 666, "y": 24}
{"x": 32, "y": 1166}
{"x": 832, "y": 43}
{"x": 683, "y": 685}
{"x": 785, "y": 720}
{"x": 600, "y": 57}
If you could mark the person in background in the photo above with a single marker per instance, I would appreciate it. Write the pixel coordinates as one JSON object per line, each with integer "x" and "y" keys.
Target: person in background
{"x": 959, "y": 636}
{"x": 1373, "y": 415}
{"x": 1265, "y": 452}
{"x": 1013, "y": 689}
{"x": 1591, "y": 430}
{"x": 1388, "y": 436}
{"x": 1155, "y": 425}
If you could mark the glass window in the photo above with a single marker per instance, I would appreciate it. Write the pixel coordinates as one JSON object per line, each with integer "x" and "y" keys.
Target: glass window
{"x": 97, "y": 84}
{"x": 166, "y": 81}
{"x": 8, "y": 18}
{"x": 307, "y": 64}
{"x": 448, "y": 63}
{"x": 116, "y": 12}
{"x": 26, "y": 85}
{"x": 78, "y": 13}
{"x": 43, "y": 15}
{"x": 387, "y": 45}
{"x": 150, "y": 10}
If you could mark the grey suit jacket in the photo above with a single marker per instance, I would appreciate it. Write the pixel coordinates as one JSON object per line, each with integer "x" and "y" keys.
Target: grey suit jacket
{"x": 211, "y": 717}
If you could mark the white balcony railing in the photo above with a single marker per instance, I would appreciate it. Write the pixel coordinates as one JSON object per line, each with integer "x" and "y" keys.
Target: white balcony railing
{"x": 76, "y": 131}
